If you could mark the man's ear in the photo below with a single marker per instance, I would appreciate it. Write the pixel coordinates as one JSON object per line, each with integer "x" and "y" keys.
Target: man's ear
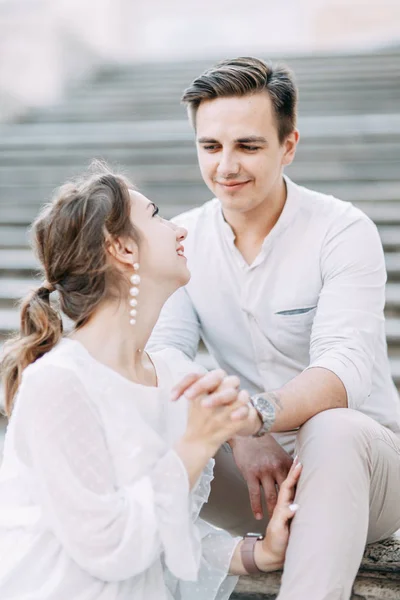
{"x": 290, "y": 145}
{"x": 123, "y": 250}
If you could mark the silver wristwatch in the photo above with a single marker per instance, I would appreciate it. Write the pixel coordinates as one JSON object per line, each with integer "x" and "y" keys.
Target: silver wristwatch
{"x": 266, "y": 411}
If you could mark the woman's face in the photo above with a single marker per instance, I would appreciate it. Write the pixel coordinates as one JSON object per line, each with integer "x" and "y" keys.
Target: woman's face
{"x": 161, "y": 255}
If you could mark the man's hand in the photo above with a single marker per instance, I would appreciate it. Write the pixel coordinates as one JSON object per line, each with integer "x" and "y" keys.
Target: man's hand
{"x": 263, "y": 463}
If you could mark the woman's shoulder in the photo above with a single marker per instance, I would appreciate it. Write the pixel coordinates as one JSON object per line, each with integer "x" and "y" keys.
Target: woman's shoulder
{"x": 62, "y": 363}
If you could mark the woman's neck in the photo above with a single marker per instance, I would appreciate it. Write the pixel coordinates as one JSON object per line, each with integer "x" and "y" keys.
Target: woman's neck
{"x": 110, "y": 338}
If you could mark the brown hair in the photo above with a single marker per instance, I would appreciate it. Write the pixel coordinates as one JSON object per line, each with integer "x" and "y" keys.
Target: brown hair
{"x": 70, "y": 237}
{"x": 246, "y": 75}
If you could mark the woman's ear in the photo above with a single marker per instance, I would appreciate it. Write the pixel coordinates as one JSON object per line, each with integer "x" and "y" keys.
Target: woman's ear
{"x": 123, "y": 250}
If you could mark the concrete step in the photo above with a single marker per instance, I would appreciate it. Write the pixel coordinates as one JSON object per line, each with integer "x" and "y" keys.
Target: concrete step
{"x": 301, "y": 172}
{"x": 23, "y": 260}
{"x": 179, "y": 197}
{"x": 382, "y": 102}
{"x": 21, "y": 161}
{"x": 390, "y": 236}
{"x": 9, "y": 322}
{"x": 378, "y": 577}
{"x": 168, "y": 131}
{"x": 18, "y": 260}
{"x": 14, "y": 288}
{"x": 16, "y": 237}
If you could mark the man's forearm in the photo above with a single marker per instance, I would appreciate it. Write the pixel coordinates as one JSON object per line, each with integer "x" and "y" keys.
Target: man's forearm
{"x": 304, "y": 396}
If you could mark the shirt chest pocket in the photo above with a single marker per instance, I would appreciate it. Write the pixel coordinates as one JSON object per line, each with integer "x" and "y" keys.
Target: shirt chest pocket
{"x": 290, "y": 331}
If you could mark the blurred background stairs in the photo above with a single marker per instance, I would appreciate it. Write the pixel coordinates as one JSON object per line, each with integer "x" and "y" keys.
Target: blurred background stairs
{"x": 349, "y": 120}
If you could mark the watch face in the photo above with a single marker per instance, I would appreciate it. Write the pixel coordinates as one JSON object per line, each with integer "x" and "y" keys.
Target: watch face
{"x": 266, "y": 408}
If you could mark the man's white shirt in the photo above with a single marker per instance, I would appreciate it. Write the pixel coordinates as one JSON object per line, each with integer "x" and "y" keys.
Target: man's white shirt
{"x": 313, "y": 297}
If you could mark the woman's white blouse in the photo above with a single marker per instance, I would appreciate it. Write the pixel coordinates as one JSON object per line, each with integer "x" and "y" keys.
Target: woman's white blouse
{"x": 94, "y": 502}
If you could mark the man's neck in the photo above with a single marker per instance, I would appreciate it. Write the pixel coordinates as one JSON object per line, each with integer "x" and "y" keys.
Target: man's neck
{"x": 252, "y": 227}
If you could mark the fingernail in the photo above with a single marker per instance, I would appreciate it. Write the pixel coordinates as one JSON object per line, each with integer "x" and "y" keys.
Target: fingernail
{"x": 258, "y": 516}
{"x": 299, "y": 464}
{"x": 296, "y": 458}
{"x": 174, "y": 395}
{"x": 293, "y": 507}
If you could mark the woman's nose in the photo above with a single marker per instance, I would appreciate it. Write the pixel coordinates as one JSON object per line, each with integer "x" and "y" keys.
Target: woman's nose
{"x": 181, "y": 234}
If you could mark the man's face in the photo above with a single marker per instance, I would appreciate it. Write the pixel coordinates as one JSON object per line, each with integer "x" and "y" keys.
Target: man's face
{"x": 239, "y": 153}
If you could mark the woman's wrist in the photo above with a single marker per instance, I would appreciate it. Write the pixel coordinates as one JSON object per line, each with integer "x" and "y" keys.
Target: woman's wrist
{"x": 265, "y": 559}
{"x": 194, "y": 455}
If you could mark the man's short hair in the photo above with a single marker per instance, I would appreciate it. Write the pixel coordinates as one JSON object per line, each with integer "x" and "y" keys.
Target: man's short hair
{"x": 243, "y": 76}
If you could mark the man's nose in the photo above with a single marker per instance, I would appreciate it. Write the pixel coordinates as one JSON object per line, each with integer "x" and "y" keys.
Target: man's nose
{"x": 228, "y": 166}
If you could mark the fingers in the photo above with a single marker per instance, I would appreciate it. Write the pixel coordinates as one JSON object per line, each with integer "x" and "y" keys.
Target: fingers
{"x": 226, "y": 395}
{"x": 253, "y": 486}
{"x": 222, "y": 398}
{"x": 232, "y": 381}
{"x": 179, "y": 389}
{"x": 287, "y": 488}
{"x": 279, "y": 523}
{"x": 196, "y": 385}
{"x": 270, "y": 493}
{"x": 282, "y": 471}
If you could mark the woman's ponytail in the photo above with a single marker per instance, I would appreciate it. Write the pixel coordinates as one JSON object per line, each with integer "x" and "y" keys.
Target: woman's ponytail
{"x": 40, "y": 330}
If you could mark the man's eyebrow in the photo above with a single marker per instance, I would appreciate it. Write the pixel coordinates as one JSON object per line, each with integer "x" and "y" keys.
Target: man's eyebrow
{"x": 245, "y": 140}
{"x": 205, "y": 140}
{"x": 251, "y": 139}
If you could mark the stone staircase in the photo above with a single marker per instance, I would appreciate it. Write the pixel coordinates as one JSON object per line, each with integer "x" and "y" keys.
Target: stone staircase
{"x": 130, "y": 116}
{"x": 349, "y": 120}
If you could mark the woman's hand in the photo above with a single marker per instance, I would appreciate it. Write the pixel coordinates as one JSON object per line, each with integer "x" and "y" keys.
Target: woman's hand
{"x": 195, "y": 386}
{"x": 209, "y": 425}
{"x": 217, "y": 410}
{"x": 270, "y": 552}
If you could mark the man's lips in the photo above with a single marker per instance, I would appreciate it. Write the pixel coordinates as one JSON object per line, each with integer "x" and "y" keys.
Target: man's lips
{"x": 232, "y": 184}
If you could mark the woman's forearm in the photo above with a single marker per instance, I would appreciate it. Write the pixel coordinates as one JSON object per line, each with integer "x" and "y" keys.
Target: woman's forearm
{"x": 264, "y": 561}
{"x": 195, "y": 456}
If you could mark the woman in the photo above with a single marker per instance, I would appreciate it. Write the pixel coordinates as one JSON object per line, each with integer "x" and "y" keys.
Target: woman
{"x": 103, "y": 476}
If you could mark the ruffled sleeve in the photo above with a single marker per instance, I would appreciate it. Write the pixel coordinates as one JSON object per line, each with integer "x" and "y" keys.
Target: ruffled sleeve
{"x": 111, "y": 532}
{"x": 217, "y": 548}
{"x": 217, "y": 545}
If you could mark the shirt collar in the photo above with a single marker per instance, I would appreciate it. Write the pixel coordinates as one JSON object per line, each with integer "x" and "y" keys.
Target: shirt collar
{"x": 286, "y": 216}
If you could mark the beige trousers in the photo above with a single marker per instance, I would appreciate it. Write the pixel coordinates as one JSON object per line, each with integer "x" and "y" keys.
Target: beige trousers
{"x": 349, "y": 495}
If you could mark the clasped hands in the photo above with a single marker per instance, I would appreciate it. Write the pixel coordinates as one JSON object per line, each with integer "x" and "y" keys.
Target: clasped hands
{"x": 219, "y": 397}
{"x": 218, "y": 411}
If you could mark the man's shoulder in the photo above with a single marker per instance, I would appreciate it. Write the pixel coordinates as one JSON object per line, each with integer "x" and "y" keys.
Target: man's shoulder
{"x": 329, "y": 208}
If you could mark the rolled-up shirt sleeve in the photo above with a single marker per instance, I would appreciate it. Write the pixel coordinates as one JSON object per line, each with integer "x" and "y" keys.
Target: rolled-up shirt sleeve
{"x": 349, "y": 317}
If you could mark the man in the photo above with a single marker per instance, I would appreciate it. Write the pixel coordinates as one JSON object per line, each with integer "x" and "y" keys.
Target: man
{"x": 288, "y": 292}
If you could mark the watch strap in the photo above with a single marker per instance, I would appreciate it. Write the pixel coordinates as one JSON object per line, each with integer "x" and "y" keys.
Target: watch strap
{"x": 247, "y": 553}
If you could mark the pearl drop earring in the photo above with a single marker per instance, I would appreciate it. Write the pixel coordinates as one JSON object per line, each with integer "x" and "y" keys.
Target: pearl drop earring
{"x": 134, "y": 291}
